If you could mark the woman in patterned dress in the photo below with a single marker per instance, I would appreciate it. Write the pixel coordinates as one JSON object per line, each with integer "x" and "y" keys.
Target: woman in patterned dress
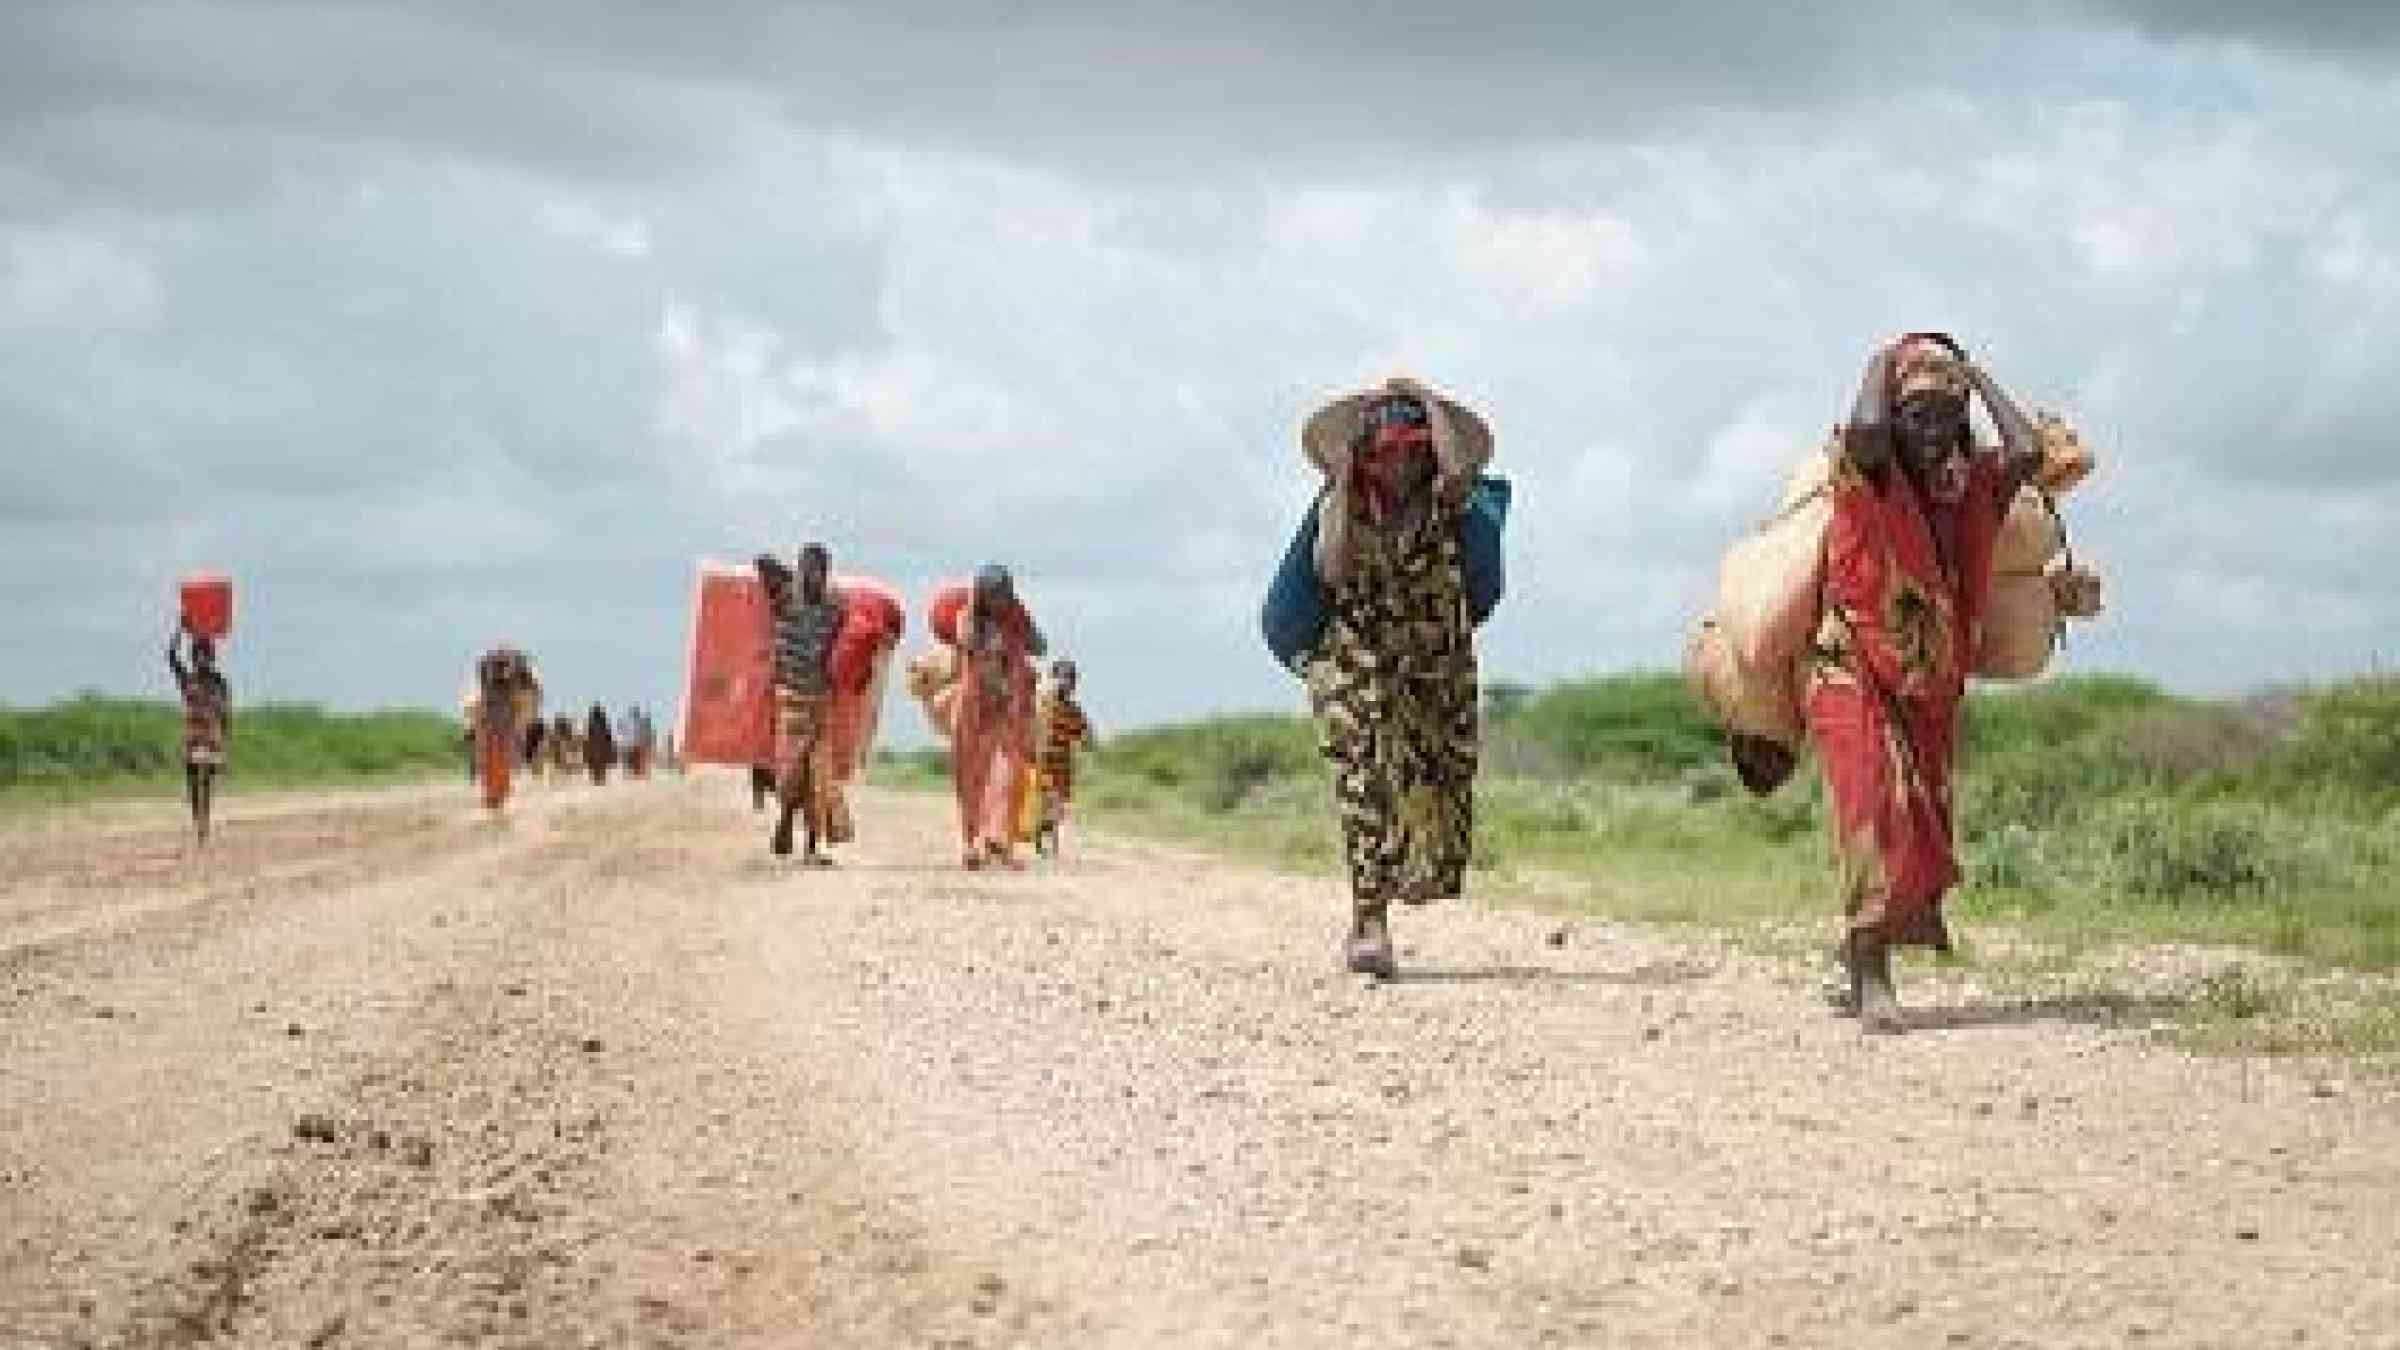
{"x": 1393, "y": 681}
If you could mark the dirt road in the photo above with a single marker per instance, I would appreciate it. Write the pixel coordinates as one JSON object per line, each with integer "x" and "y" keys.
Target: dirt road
{"x": 376, "y": 1071}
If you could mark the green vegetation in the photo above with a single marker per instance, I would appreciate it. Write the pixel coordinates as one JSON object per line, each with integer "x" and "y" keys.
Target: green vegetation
{"x": 2093, "y": 810}
{"x": 93, "y": 746}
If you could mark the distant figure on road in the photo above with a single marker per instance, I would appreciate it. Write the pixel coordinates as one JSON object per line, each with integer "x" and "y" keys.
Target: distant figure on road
{"x": 599, "y": 745}
{"x": 207, "y": 720}
{"x": 1065, "y": 730}
{"x": 507, "y": 696}
{"x": 1392, "y": 679}
{"x": 991, "y": 750}
{"x": 808, "y": 616}
{"x": 639, "y": 741}
{"x": 565, "y": 750}
{"x": 1917, "y": 507}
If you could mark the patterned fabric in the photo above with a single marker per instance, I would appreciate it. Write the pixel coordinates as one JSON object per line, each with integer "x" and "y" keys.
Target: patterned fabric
{"x": 1393, "y": 687}
{"x": 991, "y": 749}
{"x": 804, "y": 635}
{"x": 1064, "y": 731}
{"x": 802, "y": 746}
{"x": 207, "y": 708}
{"x": 1906, "y": 583}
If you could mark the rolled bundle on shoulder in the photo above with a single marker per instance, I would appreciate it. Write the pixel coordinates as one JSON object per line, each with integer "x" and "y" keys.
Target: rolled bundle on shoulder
{"x": 1761, "y": 702}
{"x": 2020, "y": 627}
{"x": 2030, "y": 535}
{"x": 1770, "y": 583}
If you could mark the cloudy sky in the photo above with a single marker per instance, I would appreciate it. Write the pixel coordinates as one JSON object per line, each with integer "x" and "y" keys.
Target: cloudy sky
{"x": 435, "y": 322}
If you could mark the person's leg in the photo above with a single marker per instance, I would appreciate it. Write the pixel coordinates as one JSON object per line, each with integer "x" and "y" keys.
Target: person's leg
{"x": 1869, "y": 822}
{"x": 788, "y": 776}
{"x": 811, "y": 787}
{"x": 970, "y": 767}
{"x": 191, "y": 789}
{"x": 1002, "y": 805}
{"x": 1376, "y": 851}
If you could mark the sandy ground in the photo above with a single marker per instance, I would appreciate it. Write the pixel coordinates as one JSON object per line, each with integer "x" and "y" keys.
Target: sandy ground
{"x": 376, "y": 1070}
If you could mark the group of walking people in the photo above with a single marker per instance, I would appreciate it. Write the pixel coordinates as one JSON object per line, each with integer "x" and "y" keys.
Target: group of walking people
{"x": 503, "y": 731}
{"x": 1389, "y": 600}
{"x": 1012, "y": 742}
{"x": 1376, "y": 609}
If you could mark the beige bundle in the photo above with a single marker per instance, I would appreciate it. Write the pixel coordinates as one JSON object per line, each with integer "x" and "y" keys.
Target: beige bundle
{"x": 933, "y": 682}
{"x": 1747, "y": 658}
{"x": 2036, "y": 585}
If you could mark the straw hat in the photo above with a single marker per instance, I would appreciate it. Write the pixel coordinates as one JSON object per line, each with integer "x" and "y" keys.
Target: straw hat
{"x": 1331, "y": 430}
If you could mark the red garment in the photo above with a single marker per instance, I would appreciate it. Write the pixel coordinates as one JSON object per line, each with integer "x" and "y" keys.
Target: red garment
{"x": 1378, "y": 478}
{"x": 496, "y": 747}
{"x": 1906, "y": 584}
{"x": 992, "y": 750}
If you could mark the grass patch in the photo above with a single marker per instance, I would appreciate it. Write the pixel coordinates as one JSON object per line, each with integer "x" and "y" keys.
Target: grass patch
{"x": 2093, "y": 811}
{"x": 92, "y": 747}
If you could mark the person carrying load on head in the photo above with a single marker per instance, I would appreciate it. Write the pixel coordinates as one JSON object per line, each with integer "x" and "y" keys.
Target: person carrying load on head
{"x": 1917, "y": 513}
{"x": 807, "y": 617}
{"x": 1064, "y": 730}
{"x": 207, "y": 720}
{"x": 1392, "y": 675}
{"x": 506, "y": 696}
{"x": 991, "y": 747}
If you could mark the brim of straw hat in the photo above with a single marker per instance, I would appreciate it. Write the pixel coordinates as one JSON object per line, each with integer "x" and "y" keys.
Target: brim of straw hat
{"x": 1332, "y": 429}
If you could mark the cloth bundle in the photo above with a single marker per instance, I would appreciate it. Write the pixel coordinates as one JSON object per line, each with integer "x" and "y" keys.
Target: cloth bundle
{"x": 1747, "y": 657}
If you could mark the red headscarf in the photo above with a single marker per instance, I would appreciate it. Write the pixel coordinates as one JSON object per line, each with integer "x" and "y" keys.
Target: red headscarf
{"x": 1380, "y": 474}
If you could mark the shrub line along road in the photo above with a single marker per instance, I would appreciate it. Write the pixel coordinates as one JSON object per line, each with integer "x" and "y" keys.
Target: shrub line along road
{"x": 377, "y": 1071}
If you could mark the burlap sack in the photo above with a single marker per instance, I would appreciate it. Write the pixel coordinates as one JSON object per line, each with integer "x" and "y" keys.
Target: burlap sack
{"x": 2020, "y": 627}
{"x": 1809, "y": 477}
{"x": 1751, "y": 702}
{"x": 2029, "y": 535}
{"x": 1770, "y": 583}
{"x": 933, "y": 682}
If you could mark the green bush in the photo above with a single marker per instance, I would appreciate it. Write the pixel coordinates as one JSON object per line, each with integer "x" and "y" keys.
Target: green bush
{"x": 93, "y": 743}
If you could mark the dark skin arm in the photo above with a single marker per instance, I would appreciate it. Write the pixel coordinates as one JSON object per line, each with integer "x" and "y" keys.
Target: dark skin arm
{"x": 2020, "y": 445}
{"x": 1867, "y": 436}
{"x": 175, "y": 657}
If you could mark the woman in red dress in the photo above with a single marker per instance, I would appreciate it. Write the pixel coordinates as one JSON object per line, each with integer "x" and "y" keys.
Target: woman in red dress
{"x": 991, "y": 752}
{"x": 1917, "y": 506}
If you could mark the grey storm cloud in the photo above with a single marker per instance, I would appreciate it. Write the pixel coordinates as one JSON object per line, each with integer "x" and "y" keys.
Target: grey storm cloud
{"x": 440, "y": 322}
{"x": 2365, "y": 31}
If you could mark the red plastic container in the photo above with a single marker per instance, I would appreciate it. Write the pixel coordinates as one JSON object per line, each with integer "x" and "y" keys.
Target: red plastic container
{"x": 946, "y": 607}
{"x": 208, "y": 604}
{"x": 873, "y": 616}
{"x": 729, "y": 695}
